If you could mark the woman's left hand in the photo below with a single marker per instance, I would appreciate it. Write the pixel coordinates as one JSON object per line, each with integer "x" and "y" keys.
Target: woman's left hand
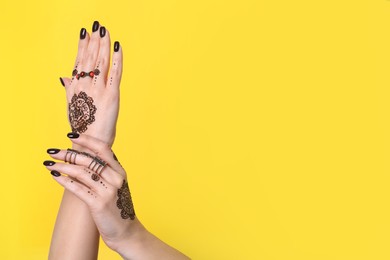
{"x": 99, "y": 180}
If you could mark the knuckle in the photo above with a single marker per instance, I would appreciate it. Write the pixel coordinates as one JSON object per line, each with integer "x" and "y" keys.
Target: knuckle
{"x": 117, "y": 183}
{"x": 111, "y": 193}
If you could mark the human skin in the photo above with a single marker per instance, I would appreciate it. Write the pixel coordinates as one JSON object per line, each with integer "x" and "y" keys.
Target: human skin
{"x": 93, "y": 109}
{"x": 109, "y": 201}
{"x": 75, "y": 235}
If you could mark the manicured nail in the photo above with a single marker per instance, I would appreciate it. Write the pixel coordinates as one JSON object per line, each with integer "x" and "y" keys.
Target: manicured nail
{"x": 62, "y": 82}
{"x": 73, "y": 135}
{"x": 116, "y": 46}
{"x": 55, "y": 173}
{"x": 95, "y": 26}
{"x": 102, "y": 31}
{"x": 83, "y": 33}
{"x": 49, "y": 163}
{"x": 53, "y": 150}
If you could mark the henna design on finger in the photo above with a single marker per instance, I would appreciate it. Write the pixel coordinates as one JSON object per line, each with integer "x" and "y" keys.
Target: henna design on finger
{"x": 81, "y": 112}
{"x": 74, "y": 72}
{"x": 104, "y": 185}
{"x": 95, "y": 78}
{"x": 95, "y": 177}
{"x": 91, "y": 193}
{"x": 125, "y": 202}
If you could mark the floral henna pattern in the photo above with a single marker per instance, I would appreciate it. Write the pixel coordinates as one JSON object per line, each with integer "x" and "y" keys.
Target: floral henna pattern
{"x": 81, "y": 112}
{"x": 125, "y": 202}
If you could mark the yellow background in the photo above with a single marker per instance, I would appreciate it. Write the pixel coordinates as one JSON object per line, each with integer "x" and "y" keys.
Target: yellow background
{"x": 250, "y": 129}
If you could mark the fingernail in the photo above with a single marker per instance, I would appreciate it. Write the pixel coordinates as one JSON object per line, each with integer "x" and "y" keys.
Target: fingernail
{"x": 49, "y": 163}
{"x": 62, "y": 82}
{"x": 55, "y": 173}
{"x": 95, "y": 26}
{"x": 83, "y": 33}
{"x": 116, "y": 46}
{"x": 73, "y": 135}
{"x": 102, "y": 31}
{"x": 53, "y": 150}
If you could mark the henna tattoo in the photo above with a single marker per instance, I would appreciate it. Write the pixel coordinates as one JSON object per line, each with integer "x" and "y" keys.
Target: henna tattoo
{"x": 95, "y": 177}
{"x": 104, "y": 185}
{"x": 91, "y": 193}
{"x": 81, "y": 112}
{"x": 74, "y": 72}
{"x": 125, "y": 202}
{"x": 95, "y": 76}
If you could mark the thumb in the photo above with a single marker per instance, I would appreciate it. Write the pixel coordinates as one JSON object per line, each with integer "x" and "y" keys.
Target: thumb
{"x": 65, "y": 82}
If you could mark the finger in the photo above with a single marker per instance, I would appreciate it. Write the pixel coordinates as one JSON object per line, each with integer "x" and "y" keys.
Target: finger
{"x": 99, "y": 148}
{"x": 83, "y": 193}
{"x": 106, "y": 173}
{"x": 91, "y": 54}
{"x": 79, "y": 173}
{"x": 114, "y": 79}
{"x": 65, "y": 82}
{"x": 82, "y": 48}
{"x": 103, "y": 60}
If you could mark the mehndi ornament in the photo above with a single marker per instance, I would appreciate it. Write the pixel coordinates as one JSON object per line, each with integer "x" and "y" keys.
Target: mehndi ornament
{"x": 81, "y": 112}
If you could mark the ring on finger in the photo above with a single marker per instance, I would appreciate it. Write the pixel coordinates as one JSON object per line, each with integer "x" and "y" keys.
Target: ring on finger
{"x": 84, "y": 74}
{"x": 97, "y": 165}
{"x": 71, "y": 155}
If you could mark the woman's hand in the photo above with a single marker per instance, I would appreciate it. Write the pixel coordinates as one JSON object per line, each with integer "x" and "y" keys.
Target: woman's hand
{"x": 93, "y": 91}
{"x": 101, "y": 183}
{"x": 99, "y": 180}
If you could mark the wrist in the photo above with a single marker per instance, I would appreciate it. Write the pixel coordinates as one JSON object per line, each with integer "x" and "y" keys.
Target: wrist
{"x": 132, "y": 242}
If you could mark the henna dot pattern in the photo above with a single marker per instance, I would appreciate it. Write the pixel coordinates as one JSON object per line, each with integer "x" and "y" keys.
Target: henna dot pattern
{"x": 81, "y": 112}
{"x": 125, "y": 202}
{"x": 95, "y": 76}
{"x": 95, "y": 177}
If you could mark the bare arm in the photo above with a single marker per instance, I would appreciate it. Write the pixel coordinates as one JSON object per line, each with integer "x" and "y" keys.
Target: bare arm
{"x": 93, "y": 106}
{"x": 107, "y": 194}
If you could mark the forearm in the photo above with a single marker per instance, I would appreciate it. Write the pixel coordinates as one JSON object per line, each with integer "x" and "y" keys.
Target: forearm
{"x": 75, "y": 235}
{"x": 143, "y": 245}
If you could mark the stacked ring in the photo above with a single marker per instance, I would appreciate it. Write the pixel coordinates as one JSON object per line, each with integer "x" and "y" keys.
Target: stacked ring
{"x": 71, "y": 155}
{"x": 97, "y": 165}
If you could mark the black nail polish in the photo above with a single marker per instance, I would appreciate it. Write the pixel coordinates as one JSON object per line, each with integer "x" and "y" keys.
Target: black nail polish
{"x": 73, "y": 135}
{"x": 55, "y": 173}
{"x": 95, "y": 26}
{"x": 53, "y": 150}
{"x": 116, "y": 46}
{"x": 62, "y": 82}
{"x": 102, "y": 31}
{"x": 49, "y": 163}
{"x": 83, "y": 33}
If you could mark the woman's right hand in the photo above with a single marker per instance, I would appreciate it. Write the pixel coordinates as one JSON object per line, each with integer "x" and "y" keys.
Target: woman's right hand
{"x": 92, "y": 92}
